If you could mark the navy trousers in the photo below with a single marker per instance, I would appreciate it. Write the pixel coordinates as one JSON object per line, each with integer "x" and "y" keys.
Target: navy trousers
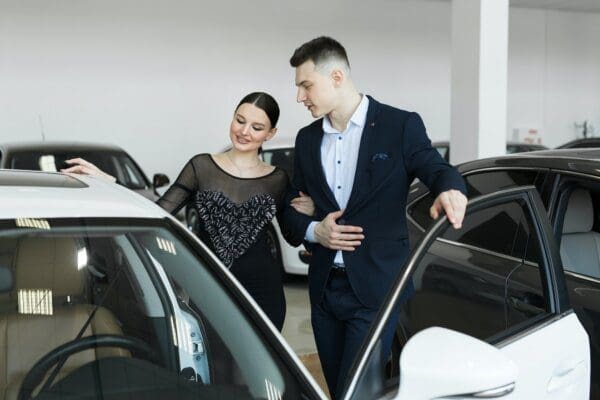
{"x": 340, "y": 324}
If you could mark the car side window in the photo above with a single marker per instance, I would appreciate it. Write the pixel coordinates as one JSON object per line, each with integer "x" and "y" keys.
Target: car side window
{"x": 482, "y": 279}
{"x": 281, "y": 158}
{"x": 477, "y": 184}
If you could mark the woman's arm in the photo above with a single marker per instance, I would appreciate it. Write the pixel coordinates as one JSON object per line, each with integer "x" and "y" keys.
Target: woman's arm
{"x": 177, "y": 196}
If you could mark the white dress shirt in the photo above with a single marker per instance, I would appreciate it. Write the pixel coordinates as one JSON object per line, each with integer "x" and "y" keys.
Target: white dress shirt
{"x": 339, "y": 155}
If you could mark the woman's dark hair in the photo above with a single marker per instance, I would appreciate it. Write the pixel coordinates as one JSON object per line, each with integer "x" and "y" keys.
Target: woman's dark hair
{"x": 265, "y": 102}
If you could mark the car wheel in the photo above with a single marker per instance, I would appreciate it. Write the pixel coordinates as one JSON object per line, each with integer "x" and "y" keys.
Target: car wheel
{"x": 193, "y": 220}
{"x": 275, "y": 251}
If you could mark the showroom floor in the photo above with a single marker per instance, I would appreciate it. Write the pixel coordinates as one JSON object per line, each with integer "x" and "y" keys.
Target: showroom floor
{"x": 297, "y": 329}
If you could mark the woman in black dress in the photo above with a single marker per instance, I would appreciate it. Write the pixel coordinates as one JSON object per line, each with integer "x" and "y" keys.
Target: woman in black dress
{"x": 237, "y": 195}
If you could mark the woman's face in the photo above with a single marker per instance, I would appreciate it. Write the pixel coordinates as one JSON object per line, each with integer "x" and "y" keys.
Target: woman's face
{"x": 250, "y": 127}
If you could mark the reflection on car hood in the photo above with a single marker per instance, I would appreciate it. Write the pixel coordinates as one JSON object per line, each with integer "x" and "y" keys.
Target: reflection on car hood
{"x": 97, "y": 198}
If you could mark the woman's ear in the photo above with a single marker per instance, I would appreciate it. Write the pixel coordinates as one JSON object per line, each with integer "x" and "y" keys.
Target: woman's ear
{"x": 271, "y": 133}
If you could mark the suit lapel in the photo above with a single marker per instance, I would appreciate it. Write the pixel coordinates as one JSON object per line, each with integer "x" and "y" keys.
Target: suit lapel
{"x": 317, "y": 138}
{"x": 368, "y": 135}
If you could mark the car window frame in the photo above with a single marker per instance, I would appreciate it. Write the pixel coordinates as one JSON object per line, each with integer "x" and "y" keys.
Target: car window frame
{"x": 539, "y": 170}
{"x": 557, "y": 298}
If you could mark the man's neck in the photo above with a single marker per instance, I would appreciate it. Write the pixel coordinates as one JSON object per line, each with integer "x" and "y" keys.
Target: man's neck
{"x": 340, "y": 117}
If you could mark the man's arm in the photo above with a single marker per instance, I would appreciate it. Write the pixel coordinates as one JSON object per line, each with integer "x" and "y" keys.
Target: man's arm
{"x": 424, "y": 162}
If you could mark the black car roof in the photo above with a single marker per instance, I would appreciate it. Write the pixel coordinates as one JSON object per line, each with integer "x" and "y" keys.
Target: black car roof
{"x": 577, "y": 160}
{"x": 57, "y": 146}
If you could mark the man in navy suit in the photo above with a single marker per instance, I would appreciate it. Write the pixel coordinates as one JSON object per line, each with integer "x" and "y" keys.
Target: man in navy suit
{"x": 356, "y": 162}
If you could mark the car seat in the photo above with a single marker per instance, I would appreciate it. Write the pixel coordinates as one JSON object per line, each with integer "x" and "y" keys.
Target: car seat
{"x": 51, "y": 310}
{"x": 580, "y": 245}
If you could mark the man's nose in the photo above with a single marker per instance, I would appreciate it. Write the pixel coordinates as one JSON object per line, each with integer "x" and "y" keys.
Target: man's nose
{"x": 300, "y": 97}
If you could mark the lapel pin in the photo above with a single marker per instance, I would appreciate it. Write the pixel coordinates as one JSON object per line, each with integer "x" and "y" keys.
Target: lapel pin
{"x": 372, "y": 123}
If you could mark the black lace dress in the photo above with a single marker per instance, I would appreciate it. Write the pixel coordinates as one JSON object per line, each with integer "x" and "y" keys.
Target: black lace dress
{"x": 234, "y": 215}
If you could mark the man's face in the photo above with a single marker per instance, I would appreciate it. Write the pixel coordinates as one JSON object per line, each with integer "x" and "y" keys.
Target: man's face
{"x": 315, "y": 90}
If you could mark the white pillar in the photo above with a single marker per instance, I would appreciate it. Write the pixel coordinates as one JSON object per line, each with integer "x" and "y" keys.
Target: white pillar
{"x": 479, "y": 79}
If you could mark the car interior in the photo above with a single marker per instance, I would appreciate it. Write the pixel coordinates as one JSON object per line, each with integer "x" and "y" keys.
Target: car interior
{"x": 44, "y": 316}
{"x": 580, "y": 239}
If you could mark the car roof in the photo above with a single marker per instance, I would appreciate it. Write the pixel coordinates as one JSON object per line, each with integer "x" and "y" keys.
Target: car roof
{"x": 508, "y": 143}
{"x": 581, "y": 160}
{"x": 58, "y": 146}
{"x": 33, "y": 194}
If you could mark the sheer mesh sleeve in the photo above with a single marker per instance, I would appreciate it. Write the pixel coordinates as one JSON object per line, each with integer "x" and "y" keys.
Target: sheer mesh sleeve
{"x": 182, "y": 190}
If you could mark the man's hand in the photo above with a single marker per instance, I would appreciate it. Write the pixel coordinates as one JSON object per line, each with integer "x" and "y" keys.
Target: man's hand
{"x": 338, "y": 237}
{"x": 304, "y": 204}
{"x": 453, "y": 203}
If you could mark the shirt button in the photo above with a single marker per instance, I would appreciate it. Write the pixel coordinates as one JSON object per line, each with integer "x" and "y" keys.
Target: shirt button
{"x": 339, "y": 137}
{"x": 339, "y": 162}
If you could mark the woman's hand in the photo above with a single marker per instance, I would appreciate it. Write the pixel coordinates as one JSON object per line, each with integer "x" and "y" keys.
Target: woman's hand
{"x": 83, "y": 167}
{"x": 304, "y": 204}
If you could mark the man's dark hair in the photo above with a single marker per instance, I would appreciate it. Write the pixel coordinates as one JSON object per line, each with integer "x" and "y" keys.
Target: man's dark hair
{"x": 265, "y": 102}
{"x": 319, "y": 51}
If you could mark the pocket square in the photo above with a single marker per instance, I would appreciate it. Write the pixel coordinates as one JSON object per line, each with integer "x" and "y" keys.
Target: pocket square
{"x": 380, "y": 156}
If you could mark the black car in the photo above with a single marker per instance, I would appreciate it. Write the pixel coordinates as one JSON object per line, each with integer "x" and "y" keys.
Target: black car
{"x": 51, "y": 156}
{"x": 443, "y": 147}
{"x": 581, "y": 143}
{"x": 568, "y": 182}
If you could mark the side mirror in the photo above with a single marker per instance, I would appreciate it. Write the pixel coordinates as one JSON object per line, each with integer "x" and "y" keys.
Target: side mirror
{"x": 439, "y": 363}
{"x": 160, "y": 180}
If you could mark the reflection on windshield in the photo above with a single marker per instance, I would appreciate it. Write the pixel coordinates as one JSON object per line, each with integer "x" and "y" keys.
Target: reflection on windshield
{"x": 82, "y": 280}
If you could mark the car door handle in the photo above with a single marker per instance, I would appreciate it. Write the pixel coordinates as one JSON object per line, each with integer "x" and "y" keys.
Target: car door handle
{"x": 492, "y": 393}
{"x": 525, "y": 304}
{"x": 568, "y": 372}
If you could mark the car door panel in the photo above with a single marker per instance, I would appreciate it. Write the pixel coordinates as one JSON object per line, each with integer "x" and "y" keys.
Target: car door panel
{"x": 553, "y": 358}
{"x": 519, "y": 304}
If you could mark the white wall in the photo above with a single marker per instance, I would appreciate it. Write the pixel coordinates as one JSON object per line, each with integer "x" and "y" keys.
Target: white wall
{"x": 554, "y": 73}
{"x": 161, "y": 78}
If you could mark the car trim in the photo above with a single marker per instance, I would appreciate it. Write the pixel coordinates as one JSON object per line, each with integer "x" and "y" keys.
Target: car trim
{"x": 291, "y": 355}
{"x": 488, "y": 252}
{"x": 400, "y": 284}
{"x": 581, "y": 276}
{"x": 550, "y": 319}
{"x": 577, "y": 174}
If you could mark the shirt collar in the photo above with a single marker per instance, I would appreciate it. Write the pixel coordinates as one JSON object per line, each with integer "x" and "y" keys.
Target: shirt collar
{"x": 358, "y": 118}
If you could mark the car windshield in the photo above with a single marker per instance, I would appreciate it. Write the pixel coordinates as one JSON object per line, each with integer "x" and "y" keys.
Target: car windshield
{"x": 144, "y": 310}
{"x": 117, "y": 164}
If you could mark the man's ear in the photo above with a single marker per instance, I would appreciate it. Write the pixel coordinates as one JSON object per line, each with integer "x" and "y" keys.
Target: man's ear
{"x": 338, "y": 77}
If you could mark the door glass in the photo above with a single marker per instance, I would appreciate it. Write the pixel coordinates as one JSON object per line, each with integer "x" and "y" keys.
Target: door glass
{"x": 477, "y": 184}
{"x": 483, "y": 280}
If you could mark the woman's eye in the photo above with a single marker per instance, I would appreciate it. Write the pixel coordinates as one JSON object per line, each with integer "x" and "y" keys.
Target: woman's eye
{"x": 257, "y": 128}
{"x": 239, "y": 121}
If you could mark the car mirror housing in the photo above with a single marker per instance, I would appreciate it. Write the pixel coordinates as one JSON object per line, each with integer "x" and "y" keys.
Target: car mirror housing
{"x": 439, "y": 362}
{"x": 160, "y": 180}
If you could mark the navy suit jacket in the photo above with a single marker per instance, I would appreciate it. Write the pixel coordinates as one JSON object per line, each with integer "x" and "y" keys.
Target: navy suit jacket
{"x": 394, "y": 149}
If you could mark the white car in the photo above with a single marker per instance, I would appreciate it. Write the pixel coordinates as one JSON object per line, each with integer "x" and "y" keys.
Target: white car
{"x": 104, "y": 295}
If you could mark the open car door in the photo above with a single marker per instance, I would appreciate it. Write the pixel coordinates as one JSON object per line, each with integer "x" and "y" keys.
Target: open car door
{"x": 479, "y": 312}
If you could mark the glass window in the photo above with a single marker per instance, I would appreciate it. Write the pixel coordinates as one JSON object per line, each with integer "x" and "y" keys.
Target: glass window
{"x": 282, "y": 158}
{"x": 477, "y": 184}
{"x": 482, "y": 280}
{"x": 116, "y": 164}
{"x": 137, "y": 280}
